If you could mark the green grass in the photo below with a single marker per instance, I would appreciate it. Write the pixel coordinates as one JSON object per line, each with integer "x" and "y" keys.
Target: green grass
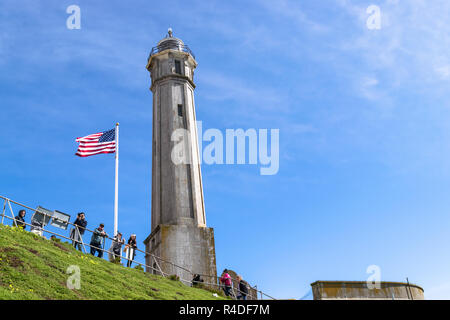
{"x": 32, "y": 267}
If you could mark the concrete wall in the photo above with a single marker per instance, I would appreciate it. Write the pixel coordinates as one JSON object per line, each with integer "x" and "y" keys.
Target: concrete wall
{"x": 189, "y": 246}
{"x": 358, "y": 290}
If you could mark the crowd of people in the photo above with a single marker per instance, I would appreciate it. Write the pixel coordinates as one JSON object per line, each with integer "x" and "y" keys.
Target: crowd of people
{"x": 97, "y": 242}
{"x": 227, "y": 285}
{"x": 242, "y": 287}
{"x": 97, "y": 245}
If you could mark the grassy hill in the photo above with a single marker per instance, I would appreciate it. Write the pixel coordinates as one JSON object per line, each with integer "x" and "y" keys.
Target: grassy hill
{"x": 32, "y": 267}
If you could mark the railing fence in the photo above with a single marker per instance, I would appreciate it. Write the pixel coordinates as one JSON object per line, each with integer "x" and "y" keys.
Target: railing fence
{"x": 158, "y": 260}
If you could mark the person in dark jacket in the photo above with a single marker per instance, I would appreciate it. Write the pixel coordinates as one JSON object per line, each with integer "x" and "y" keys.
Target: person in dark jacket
{"x": 131, "y": 249}
{"x": 97, "y": 239}
{"x": 77, "y": 232}
{"x": 196, "y": 280}
{"x": 243, "y": 289}
{"x": 19, "y": 220}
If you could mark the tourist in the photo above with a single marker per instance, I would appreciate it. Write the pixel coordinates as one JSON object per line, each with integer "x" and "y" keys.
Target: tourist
{"x": 131, "y": 249}
{"x": 225, "y": 279}
{"x": 243, "y": 289}
{"x": 19, "y": 220}
{"x": 97, "y": 240}
{"x": 196, "y": 280}
{"x": 77, "y": 232}
{"x": 37, "y": 223}
{"x": 116, "y": 247}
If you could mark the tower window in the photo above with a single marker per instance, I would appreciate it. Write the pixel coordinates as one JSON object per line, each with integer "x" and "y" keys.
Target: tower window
{"x": 177, "y": 66}
{"x": 180, "y": 110}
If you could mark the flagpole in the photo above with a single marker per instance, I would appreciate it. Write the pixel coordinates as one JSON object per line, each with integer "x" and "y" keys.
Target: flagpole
{"x": 116, "y": 198}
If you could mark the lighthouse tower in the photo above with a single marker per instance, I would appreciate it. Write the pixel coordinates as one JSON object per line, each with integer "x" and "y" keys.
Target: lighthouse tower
{"x": 178, "y": 229}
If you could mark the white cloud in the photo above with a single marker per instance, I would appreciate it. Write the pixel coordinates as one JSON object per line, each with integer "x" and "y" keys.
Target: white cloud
{"x": 293, "y": 11}
{"x": 412, "y": 45}
{"x": 300, "y": 128}
{"x": 443, "y": 71}
{"x": 247, "y": 95}
{"x": 368, "y": 88}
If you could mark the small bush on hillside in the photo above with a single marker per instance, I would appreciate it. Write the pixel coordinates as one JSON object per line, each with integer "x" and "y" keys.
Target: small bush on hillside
{"x": 139, "y": 267}
{"x": 54, "y": 238}
{"x": 116, "y": 260}
{"x": 173, "y": 277}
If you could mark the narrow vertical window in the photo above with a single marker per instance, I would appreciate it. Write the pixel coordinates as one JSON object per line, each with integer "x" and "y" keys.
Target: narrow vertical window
{"x": 177, "y": 67}
{"x": 180, "y": 110}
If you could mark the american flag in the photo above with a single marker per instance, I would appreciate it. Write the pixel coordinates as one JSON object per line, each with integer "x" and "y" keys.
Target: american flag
{"x": 102, "y": 142}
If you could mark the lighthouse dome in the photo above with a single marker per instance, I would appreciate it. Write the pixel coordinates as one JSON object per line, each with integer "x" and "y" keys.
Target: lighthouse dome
{"x": 171, "y": 43}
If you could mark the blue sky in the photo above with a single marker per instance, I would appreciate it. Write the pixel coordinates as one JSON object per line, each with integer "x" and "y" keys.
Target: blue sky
{"x": 363, "y": 115}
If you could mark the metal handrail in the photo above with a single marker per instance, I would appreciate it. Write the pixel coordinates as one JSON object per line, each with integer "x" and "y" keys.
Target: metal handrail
{"x": 179, "y": 47}
{"x": 107, "y": 251}
{"x": 77, "y": 227}
{"x": 9, "y": 201}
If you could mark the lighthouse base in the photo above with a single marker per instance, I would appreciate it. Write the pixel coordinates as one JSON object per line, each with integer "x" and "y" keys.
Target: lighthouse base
{"x": 180, "y": 250}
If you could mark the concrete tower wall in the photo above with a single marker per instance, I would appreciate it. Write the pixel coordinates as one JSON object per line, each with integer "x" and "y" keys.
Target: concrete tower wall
{"x": 177, "y": 196}
{"x": 179, "y": 233}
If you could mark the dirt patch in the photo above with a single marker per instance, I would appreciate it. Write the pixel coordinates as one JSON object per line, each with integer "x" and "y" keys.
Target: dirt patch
{"x": 154, "y": 289}
{"x": 180, "y": 293}
{"x": 53, "y": 266}
{"x": 78, "y": 294}
{"x": 60, "y": 246}
{"x": 14, "y": 262}
{"x": 33, "y": 251}
{"x": 37, "y": 271}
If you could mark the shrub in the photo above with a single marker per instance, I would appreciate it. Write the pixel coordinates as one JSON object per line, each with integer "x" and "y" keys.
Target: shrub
{"x": 54, "y": 238}
{"x": 117, "y": 260}
{"x": 173, "y": 277}
{"x": 138, "y": 267}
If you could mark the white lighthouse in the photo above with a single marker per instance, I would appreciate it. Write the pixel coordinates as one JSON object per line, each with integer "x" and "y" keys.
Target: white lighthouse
{"x": 178, "y": 230}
